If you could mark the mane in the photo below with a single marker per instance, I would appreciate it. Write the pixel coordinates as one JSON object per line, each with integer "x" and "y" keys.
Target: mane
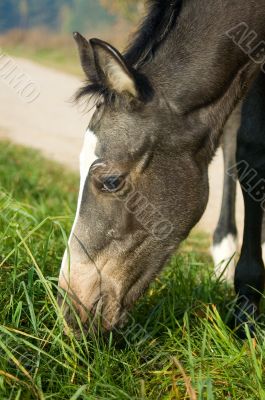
{"x": 160, "y": 20}
{"x": 155, "y": 27}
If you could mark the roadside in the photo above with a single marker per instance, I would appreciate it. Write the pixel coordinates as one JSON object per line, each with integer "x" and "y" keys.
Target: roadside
{"x": 51, "y": 123}
{"x": 57, "y": 51}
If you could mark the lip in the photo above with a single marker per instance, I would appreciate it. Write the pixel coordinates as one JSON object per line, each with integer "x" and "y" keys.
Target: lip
{"x": 94, "y": 315}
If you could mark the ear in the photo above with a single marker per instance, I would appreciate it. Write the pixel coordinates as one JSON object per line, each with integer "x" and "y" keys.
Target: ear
{"x": 86, "y": 57}
{"x": 112, "y": 68}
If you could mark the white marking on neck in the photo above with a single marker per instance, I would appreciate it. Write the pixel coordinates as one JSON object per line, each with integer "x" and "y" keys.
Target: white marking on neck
{"x": 87, "y": 157}
{"x": 222, "y": 253}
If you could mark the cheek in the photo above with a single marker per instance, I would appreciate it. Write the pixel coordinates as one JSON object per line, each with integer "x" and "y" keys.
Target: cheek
{"x": 199, "y": 193}
{"x": 188, "y": 198}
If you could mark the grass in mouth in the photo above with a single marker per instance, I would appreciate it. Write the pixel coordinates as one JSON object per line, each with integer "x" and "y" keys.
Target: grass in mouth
{"x": 176, "y": 346}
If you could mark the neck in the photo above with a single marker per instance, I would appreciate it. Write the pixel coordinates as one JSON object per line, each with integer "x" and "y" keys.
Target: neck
{"x": 159, "y": 22}
{"x": 199, "y": 69}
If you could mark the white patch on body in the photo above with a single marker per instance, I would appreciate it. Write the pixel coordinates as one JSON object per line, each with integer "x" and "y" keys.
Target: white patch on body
{"x": 263, "y": 252}
{"x": 87, "y": 157}
{"x": 222, "y": 253}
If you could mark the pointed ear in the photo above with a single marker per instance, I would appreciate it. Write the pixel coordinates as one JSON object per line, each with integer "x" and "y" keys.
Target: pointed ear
{"x": 112, "y": 68}
{"x": 86, "y": 57}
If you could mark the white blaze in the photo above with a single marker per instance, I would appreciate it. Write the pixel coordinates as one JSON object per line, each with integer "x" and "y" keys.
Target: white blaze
{"x": 87, "y": 157}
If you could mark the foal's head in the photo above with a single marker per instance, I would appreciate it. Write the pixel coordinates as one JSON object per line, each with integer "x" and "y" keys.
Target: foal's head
{"x": 143, "y": 187}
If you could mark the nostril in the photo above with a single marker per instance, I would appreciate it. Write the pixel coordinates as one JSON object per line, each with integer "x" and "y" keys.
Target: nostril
{"x": 74, "y": 313}
{"x": 62, "y": 301}
{"x": 96, "y": 309}
{"x": 64, "y": 308}
{"x": 101, "y": 310}
{"x": 59, "y": 299}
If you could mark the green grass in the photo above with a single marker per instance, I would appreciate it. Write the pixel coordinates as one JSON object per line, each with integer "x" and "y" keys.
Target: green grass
{"x": 61, "y": 59}
{"x": 53, "y": 50}
{"x": 177, "y": 345}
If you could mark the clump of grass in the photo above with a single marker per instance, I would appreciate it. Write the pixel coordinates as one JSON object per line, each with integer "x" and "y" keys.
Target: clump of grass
{"x": 176, "y": 346}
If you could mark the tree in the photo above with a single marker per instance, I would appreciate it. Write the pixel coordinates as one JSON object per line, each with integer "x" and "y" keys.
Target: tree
{"x": 9, "y": 15}
{"x": 29, "y": 13}
{"x": 57, "y": 15}
{"x": 130, "y": 9}
{"x": 44, "y": 13}
{"x": 85, "y": 15}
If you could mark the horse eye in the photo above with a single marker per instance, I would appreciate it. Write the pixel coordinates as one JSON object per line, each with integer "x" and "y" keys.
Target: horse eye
{"x": 99, "y": 104}
{"x": 112, "y": 184}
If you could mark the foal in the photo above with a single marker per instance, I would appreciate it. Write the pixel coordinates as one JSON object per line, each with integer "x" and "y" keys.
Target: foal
{"x": 161, "y": 110}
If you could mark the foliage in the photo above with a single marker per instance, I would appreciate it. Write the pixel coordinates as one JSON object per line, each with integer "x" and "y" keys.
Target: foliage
{"x": 177, "y": 345}
{"x": 85, "y": 15}
{"x": 66, "y": 15}
{"x": 129, "y": 9}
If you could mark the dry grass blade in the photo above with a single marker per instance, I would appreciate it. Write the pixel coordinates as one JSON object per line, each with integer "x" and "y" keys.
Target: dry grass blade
{"x": 9, "y": 376}
{"x": 187, "y": 380}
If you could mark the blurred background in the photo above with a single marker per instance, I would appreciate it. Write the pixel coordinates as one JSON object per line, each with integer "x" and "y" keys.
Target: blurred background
{"x": 36, "y": 43}
{"x": 37, "y": 28}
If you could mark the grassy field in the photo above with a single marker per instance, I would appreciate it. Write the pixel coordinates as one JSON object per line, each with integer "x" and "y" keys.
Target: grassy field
{"x": 55, "y": 51}
{"x": 49, "y": 57}
{"x": 58, "y": 52}
{"x": 177, "y": 345}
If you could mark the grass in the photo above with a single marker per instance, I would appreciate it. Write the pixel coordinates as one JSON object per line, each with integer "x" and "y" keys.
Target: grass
{"x": 58, "y": 59}
{"x": 177, "y": 345}
{"x": 58, "y": 52}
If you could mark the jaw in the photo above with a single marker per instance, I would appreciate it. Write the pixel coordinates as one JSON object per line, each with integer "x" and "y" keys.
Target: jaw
{"x": 104, "y": 289}
{"x": 105, "y": 294}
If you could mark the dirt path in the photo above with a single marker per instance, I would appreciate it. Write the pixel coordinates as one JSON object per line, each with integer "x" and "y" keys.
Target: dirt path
{"x": 56, "y": 127}
{"x": 51, "y": 123}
